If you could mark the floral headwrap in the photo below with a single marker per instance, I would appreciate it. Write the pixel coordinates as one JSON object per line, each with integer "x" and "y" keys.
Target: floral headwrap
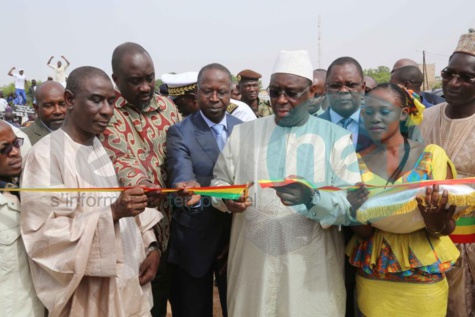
{"x": 415, "y": 106}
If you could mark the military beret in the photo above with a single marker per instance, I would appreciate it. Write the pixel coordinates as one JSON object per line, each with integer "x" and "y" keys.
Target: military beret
{"x": 248, "y": 74}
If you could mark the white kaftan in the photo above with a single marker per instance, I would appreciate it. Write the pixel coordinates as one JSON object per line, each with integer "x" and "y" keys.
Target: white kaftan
{"x": 281, "y": 263}
{"x": 82, "y": 263}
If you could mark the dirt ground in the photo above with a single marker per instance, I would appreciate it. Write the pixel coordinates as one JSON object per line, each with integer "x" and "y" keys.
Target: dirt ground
{"x": 216, "y": 305}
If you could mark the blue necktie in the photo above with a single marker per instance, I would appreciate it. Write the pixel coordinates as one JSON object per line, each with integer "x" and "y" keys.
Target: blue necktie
{"x": 218, "y": 133}
{"x": 345, "y": 122}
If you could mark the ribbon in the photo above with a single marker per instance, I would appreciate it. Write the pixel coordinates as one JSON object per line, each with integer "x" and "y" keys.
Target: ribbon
{"x": 402, "y": 186}
{"x": 226, "y": 192}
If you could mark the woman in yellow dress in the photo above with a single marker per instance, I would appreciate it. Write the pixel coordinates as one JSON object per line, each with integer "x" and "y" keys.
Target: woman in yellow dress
{"x": 401, "y": 274}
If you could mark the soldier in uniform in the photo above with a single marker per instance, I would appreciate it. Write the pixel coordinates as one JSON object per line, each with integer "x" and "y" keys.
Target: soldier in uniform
{"x": 248, "y": 83}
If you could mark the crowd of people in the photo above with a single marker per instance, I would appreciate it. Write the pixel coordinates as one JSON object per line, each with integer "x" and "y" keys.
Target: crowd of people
{"x": 86, "y": 229}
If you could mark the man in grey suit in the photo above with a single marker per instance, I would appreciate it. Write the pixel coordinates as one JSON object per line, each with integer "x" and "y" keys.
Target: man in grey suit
{"x": 50, "y": 109}
{"x": 200, "y": 233}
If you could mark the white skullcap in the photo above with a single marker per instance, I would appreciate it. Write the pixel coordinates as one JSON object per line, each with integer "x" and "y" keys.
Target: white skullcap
{"x": 295, "y": 63}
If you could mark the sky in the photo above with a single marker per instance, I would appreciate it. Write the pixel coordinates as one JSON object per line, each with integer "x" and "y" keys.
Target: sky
{"x": 187, "y": 35}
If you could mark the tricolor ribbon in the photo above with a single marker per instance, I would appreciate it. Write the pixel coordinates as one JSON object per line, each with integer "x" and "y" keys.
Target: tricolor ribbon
{"x": 289, "y": 181}
{"x": 226, "y": 192}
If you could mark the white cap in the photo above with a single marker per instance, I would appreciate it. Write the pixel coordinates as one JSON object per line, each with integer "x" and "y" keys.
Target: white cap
{"x": 295, "y": 63}
{"x": 180, "y": 80}
{"x": 180, "y": 84}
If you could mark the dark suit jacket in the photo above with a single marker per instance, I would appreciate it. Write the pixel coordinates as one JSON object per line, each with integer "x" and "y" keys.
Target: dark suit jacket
{"x": 36, "y": 131}
{"x": 197, "y": 234}
{"x": 363, "y": 139}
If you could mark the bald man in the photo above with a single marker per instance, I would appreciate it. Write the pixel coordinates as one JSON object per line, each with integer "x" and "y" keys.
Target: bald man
{"x": 101, "y": 250}
{"x": 404, "y": 62}
{"x": 50, "y": 109}
{"x": 370, "y": 83}
{"x": 318, "y": 104}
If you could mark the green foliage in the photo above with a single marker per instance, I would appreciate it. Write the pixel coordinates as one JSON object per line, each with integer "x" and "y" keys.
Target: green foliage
{"x": 380, "y": 74}
{"x": 471, "y": 30}
{"x": 158, "y": 82}
{"x": 8, "y": 89}
{"x": 437, "y": 84}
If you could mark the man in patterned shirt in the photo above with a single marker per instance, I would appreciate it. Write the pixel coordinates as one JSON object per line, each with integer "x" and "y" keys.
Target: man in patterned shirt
{"x": 135, "y": 140}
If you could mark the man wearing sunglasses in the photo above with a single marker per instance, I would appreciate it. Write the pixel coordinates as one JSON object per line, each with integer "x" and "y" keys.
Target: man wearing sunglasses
{"x": 18, "y": 296}
{"x": 282, "y": 262}
{"x": 452, "y": 126}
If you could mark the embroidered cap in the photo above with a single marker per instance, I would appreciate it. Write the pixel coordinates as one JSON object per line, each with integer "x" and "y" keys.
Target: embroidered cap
{"x": 295, "y": 63}
{"x": 466, "y": 44}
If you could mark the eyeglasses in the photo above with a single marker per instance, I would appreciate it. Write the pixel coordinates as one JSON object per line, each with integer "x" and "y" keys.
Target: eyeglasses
{"x": 18, "y": 142}
{"x": 222, "y": 93}
{"x": 275, "y": 93}
{"x": 448, "y": 75}
{"x": 350, "y": 86}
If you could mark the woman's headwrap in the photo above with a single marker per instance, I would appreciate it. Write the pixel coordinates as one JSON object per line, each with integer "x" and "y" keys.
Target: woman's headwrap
{"x": 415, "y": 106}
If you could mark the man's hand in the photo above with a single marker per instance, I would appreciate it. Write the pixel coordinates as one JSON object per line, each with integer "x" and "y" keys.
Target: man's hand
{"x": 357, "y": 197}
{"x": 154, "y": 197}
{"x": 186, "y": 191}
{"x": 295, "y": 194}
{"x": 239, "y": 205}
{"x": 149, "y": 267}
{"x": 437, "y": 218}
{"x": 130, "y": 203}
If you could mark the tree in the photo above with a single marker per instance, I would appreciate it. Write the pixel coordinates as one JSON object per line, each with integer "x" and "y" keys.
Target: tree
{"x": 380, "y": 74}
{"x": 158, "y": 82}
{"x": 471, "y": 30}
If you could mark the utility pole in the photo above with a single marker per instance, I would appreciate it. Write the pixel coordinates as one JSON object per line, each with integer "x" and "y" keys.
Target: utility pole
{"x": 425, "y": 83}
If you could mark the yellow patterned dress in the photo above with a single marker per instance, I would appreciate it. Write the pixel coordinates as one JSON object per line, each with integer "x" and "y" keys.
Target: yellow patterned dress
{"x": 404, "y": 274}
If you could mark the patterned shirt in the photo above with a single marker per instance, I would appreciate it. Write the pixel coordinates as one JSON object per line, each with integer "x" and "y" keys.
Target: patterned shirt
{"x": 136, "y": 143}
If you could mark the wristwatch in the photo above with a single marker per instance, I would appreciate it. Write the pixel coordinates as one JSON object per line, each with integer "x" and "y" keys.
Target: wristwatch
{"x": 152, "y": 247}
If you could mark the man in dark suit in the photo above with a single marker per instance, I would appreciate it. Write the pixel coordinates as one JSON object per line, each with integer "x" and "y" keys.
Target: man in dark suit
{"x": 199, "y": 233}
{"x": 50, "y": 109}
{"x": 345, "y": 89}
{"x": 345, "y": 92}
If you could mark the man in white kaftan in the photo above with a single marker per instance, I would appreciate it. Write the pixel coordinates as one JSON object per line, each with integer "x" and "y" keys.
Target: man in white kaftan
{"x": 287, "y": 261}
{"x": 84, "y": 260}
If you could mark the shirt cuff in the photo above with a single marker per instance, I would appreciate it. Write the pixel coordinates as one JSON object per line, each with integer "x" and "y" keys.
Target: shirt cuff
{"x": 148, "y": 238}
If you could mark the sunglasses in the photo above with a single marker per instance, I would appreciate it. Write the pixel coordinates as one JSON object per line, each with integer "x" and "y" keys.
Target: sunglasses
{"x": 350, "y": 86}
{"x": 8, "y": 147}
{"x": 448, "y": 75}
{"x": 275, "y": 93}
